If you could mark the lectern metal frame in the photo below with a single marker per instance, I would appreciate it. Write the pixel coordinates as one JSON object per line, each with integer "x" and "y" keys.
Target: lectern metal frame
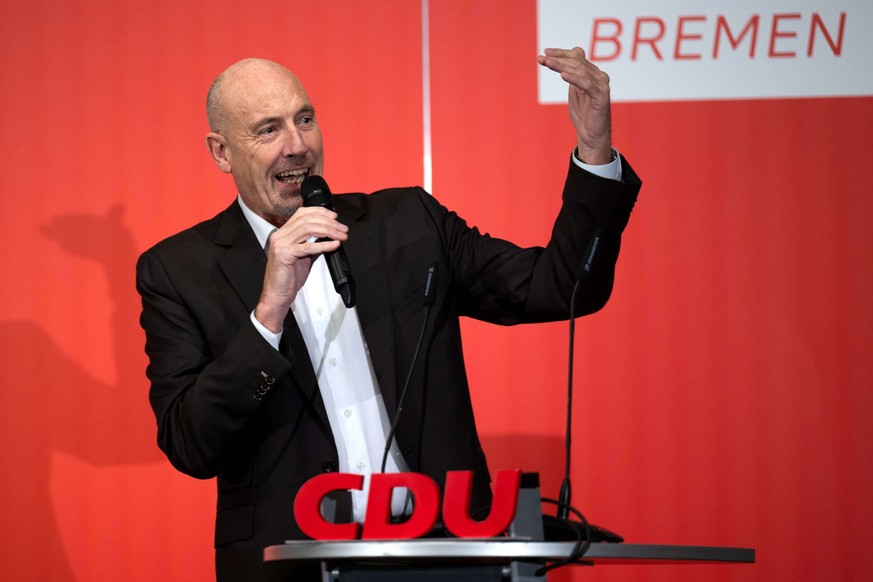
{"x": 498, "y": 550}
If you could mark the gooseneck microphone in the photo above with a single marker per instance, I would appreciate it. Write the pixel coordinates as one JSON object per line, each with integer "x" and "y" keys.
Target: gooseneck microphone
{"x": 429, "y": 296}
{"x": 581, "y": 275}
{"x": 315, "y": 192}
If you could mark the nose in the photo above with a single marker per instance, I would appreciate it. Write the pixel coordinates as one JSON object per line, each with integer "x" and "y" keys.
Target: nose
{"x": 294, "y": 144}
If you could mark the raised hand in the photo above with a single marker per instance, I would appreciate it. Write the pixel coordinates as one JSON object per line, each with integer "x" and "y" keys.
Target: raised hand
{"x": 588, "y": 100}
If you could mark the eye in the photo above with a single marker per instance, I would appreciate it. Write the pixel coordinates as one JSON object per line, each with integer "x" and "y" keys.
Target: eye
{"x": 269, "y": 130}
{"x": 307, "y": 120}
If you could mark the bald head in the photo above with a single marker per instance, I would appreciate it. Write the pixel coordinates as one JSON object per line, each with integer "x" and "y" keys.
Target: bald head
{"x": 264, "y": 132}
{"x": 227, "y": 87}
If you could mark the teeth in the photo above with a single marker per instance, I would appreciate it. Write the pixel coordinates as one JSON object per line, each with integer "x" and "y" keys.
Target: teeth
{"x": 292, "y": 176}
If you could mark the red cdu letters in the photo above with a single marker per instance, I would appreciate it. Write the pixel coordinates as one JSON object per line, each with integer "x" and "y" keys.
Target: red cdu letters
{"x": 426, "y": 495}
{"x": 307, "y": 506}
{"x": 456, "y": 506}
{"x": 425, "y": 509}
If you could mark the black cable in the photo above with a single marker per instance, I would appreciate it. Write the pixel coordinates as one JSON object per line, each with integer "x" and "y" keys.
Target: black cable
{"x": 580, "y": 529}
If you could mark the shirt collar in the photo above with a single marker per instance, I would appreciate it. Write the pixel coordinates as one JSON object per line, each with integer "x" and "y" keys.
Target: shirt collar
{"x": 261, "y": 227}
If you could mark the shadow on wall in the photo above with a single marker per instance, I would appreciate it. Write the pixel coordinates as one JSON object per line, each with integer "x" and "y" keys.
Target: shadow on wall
{"x": 52, "y": 404}
{"x": 532, "y": 454}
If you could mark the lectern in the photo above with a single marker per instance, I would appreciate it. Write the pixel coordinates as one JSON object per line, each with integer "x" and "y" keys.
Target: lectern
{"x": 516, "y": 557}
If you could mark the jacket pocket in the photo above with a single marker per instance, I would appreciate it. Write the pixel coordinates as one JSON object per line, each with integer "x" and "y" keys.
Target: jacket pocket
{"x": 410, "y": 306}
{"x": 234, "y": 524}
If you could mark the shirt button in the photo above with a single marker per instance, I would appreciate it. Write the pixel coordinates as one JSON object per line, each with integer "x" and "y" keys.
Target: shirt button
{"x": 333, "y": 361}
{"x": 319, "y": 311}
{"x": 347, "y": 413}
{"x": 361, "y": 465}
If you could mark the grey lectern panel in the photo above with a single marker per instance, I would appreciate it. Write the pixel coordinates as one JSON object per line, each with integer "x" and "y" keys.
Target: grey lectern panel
{"x": 365, "y": 572}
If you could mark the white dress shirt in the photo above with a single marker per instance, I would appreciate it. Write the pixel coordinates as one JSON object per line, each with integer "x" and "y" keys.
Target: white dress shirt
{"x": 346, "y": 379}
{"x": 341, "y": 360}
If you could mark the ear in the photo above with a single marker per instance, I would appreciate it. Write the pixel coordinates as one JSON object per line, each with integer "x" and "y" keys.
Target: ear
{"x": 217, "y": 146}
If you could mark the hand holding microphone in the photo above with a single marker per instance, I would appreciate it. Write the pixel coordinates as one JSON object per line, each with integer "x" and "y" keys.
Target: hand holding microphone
{"x": 315, "y": 192}
{"x": 291, "y": 249}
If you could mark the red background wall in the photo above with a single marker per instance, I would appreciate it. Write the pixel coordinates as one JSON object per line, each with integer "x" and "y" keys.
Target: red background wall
{"x": 723, "y": 395}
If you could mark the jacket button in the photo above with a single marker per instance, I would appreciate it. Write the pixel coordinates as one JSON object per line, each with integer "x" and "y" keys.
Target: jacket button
{"x": 328, "y": 466}
{"x": 264, "y": 386}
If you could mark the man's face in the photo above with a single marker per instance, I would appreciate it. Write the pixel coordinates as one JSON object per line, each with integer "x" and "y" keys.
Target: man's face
{"x": 270, "y": 140}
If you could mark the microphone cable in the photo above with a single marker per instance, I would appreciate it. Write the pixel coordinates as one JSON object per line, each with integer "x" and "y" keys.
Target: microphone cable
{"x": 581, "y": 531}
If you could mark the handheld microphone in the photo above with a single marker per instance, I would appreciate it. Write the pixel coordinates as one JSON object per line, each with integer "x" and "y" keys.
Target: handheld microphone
{"x": 315, "y": 192}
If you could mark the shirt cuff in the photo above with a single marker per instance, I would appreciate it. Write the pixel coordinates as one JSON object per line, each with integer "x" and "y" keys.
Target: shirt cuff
{"x": 610, "y": 171}
{"x": 272, "y": 338}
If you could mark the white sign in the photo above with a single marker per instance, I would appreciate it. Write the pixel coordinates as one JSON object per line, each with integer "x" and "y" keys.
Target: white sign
{"x": 656, "y": 50}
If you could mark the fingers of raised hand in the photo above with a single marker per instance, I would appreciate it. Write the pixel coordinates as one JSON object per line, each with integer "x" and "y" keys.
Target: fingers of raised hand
{"x": 576, "y": 69}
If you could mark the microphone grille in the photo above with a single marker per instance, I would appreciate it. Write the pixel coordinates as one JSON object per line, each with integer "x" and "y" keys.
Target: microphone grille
{"x": 315, "y": 192}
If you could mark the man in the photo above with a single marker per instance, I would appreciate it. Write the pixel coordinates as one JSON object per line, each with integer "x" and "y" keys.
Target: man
{"x": 261, "y": 377}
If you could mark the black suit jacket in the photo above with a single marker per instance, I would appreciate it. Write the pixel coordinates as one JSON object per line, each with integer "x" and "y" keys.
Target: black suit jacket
{"x": 231, "y": 406}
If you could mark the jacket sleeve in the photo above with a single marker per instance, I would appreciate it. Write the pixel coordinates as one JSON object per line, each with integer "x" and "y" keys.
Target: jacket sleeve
{"x": 500, "y": 282}
{"x": 201, "y": 397}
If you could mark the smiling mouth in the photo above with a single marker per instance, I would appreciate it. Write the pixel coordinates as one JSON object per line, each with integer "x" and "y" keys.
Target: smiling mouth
{"x": 292, "y": 176}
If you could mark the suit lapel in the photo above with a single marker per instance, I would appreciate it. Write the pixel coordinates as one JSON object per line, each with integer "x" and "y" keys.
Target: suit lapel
{"x": 243, "y": 261}
{"x": 243, "y": 264}
{"x": 364, "y": 250}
